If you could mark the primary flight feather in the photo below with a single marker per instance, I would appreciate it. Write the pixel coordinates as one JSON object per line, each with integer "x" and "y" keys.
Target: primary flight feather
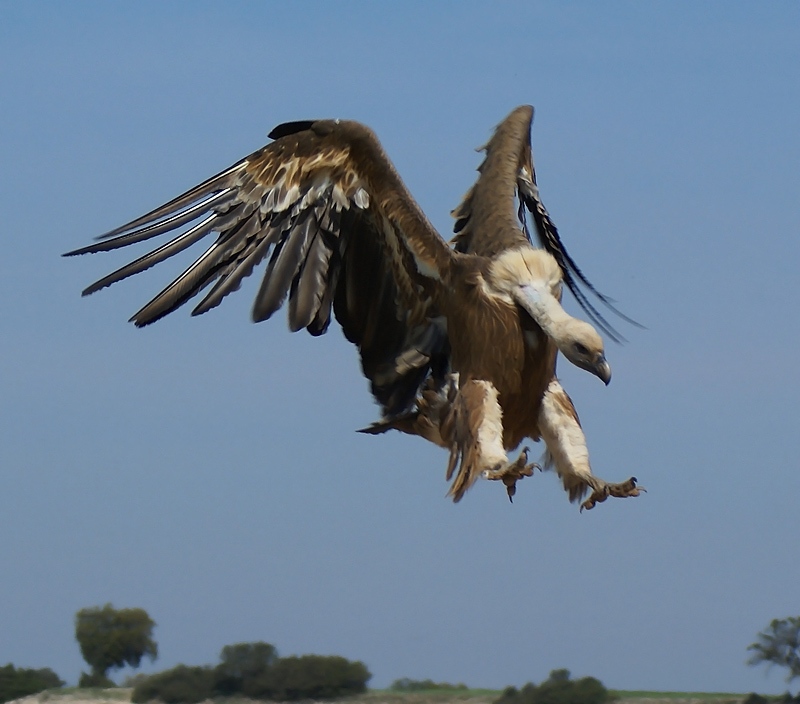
{"x": 459, "y": 342}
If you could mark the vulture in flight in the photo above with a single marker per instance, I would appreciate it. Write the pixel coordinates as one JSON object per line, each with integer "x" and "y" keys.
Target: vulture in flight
{"x": 459, "y": 341}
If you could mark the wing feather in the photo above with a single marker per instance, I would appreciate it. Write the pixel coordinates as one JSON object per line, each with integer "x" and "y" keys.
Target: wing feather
{"x": 308, "y": 288}
{"x": 178, "y": 244}
{"x": 486, "y": 219}
{"x": 324, "y": 205}
{"x": 287, "y": 258}
{"x": 491, "y": 217}
{"x": 247, "y": 253}
{"x": 168, "y": 224}
{"x": 215, "y": 186}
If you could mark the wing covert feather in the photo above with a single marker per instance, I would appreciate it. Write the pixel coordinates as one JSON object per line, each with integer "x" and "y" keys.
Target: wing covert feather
{"x": 325, "y": 206}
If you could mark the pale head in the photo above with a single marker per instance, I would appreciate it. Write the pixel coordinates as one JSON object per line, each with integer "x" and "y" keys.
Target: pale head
{"x": 581, "y": 344}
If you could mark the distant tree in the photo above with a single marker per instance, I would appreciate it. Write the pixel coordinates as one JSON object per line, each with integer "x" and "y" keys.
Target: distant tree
{"x": 112, "y": 638}
{"x": 20, "y": 682}
{"x": 244, "y": 668}
{"x": 558, "y": 688}
{"x": 779, "y": 644}
{"x": 180, "y": 685}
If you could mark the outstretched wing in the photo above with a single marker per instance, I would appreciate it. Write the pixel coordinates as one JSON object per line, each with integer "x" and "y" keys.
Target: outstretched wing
{"x": 341, "y": 233}
{"x": 491, "y": 217}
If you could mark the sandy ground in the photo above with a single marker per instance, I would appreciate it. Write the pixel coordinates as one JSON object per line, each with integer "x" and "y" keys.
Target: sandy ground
{"x": 118, "y": 696}
{"x": 122, "y": 695}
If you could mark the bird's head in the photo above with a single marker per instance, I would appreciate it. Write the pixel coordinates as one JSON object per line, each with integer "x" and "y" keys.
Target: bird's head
{"x": 580, "y": 343}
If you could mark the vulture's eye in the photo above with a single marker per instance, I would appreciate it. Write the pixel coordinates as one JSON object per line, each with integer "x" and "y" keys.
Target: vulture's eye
{"x": 580, "y": 349}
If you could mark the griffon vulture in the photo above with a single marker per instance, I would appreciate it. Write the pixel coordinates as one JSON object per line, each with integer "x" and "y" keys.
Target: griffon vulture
{"x": 459, "y": 343}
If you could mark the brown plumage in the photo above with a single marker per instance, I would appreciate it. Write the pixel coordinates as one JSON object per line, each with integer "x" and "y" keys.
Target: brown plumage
{"x": 459, "y": 343}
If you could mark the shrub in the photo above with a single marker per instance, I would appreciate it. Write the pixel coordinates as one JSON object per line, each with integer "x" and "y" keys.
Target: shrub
{"x": 509, "y": 696}
{"x": 314, "y": 677}
{"x": 754, "y": 698}
{"x": 20, "y": 682}
{"x": 181, "y": 684}
{"x": 405, "y": 684}
{"x": 558, "y": 688}
{"x": 134, "y": 680}
{"x": 244, "y": 668}
{"x": 254, "y": 670}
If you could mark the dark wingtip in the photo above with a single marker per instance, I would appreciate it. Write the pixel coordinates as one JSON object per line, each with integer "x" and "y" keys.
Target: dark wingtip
{"x": 287, "y": 128}
{"x": 81, "y": 250}
{"x": 139, "y": 323}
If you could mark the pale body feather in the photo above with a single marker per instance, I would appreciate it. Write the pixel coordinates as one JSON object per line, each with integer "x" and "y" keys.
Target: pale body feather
{"x": 561, "y": 432}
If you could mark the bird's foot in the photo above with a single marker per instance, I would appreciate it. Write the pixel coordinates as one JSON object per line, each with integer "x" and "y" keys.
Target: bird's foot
{"x": 602, "y": 490}
{"x": 510, "y": 472}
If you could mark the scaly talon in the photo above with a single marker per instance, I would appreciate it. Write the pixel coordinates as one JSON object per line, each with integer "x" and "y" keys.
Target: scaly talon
{"x": 602, "y": 490}
{"x": 511, "y": 472}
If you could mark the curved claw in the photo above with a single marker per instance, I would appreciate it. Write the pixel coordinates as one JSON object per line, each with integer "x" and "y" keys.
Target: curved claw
{"x": 512, "y": 472}
{"x": 603, "y": 491}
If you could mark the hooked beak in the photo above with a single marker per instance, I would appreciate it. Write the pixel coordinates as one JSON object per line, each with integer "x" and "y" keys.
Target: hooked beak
{"x": 602, "y": 369}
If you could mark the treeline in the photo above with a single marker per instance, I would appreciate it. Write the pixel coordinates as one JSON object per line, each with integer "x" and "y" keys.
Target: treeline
{"x": 255, "y": 671}
{"x": 111, "y": 638}
{"x": 404, "y": 684}
{"x": 785, "y": 698}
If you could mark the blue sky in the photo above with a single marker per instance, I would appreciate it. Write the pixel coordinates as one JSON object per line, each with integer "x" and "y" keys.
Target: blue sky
{"x": 207, "y": 469}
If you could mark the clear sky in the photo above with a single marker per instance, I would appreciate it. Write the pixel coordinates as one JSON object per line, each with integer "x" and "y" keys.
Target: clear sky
{"x": 207, "y": 470}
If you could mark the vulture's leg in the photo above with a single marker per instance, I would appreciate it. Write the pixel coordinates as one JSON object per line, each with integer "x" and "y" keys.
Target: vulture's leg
{"x": 474, "y": 430}
{"x": 566, "y": 444}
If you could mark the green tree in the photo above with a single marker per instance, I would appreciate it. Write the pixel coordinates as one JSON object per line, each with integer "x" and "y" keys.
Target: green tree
{"x": 20, "y": 682}
{"x": 112, "y": 638}
{"x": 779, "y": 644}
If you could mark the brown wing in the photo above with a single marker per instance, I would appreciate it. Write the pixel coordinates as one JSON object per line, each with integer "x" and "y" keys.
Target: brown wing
{"x": 486, "y": 219}
{"x": 340, "y": 231}
{"x": 491, "y": 217}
